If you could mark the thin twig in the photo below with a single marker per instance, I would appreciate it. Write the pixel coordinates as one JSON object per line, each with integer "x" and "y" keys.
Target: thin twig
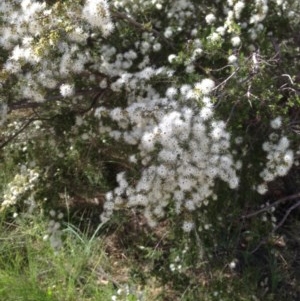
{"x": 288, "y": 212}
{"x": 286, "y": 216}
{"x": 227, "y": 79}
{"x": 232, "y": 111}
{"x": 287, "y": 198}
{"x": 25, "y": 104}
{"x": 263, "y": 241}
{"x": 17, "y": 133}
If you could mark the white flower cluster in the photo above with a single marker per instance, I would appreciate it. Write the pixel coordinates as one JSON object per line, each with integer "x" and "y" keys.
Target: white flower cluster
{"x": 23, "y": 182}
{"x": 177, "y": 264}
{"x": 181, "y": 11}
{"x": 210, "y": 18}
{"x": 280, "y": 157}
{"x": 235, "y": 41}
{"x": 127, "y": 292}
{"x": 233, "y": 10}
{"x": 181, "y": 157}
{"x": 97, "y": 13}
{"x": 35, "y": 38}
{"x": 238, "y": 8}
{"x": 261, "y": 10}
{"x": 205, "y": 86}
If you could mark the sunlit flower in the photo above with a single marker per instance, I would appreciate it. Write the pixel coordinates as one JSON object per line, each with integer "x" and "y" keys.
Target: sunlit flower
{"x": 67, "y": 90}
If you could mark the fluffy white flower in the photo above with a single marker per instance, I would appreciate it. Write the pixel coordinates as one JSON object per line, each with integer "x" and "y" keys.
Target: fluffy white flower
{"x": 96, "y": 12}
{"x": 289, "y": 157}
{"x": 233, "y": 182}
{"x": 268, "y": 176}
{"x": 282, "y": 170}
{"x": 221, "y": 30}
{"x": 171, "y": 92}
{"x": 210, "y": 18}
{"x": 238, "y": 7}
{"x": 179, "y": 195}
{"x": 283, "y": 143}
{"x": 197, "y": 52}
{"x": 185, "y": 89}
{"x": 66, "y": 90}
{"x": 235, "y": 41}
{"x": 190, "y": 205}
{"x": 185, "y": 183}
{"x": 189, "y": 69}
{"x": 168, "y": 32}
{"x": 205, "y": 86}
{"x": 217, "y": 133}
{"x": 162, "y": 171}
{"x": 214, "y": 37}
{"x": 172, "y": 58}
{"x": 262, "y": 188}
{"x": 157, "y": 47}
{"x": 232, "y": 265}
{"x": 141, "y": 200}
{"x": 232, "y": 59}
{"x": 276, "y": 123}
{"x": 187, "y": 226}
{"x": 206, "y": 113}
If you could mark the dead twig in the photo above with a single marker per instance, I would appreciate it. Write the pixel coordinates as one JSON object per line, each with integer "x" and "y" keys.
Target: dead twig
{"x": 26, "y": 104}
{"x": 282, "y": 200}
{"x": 288, "y": 212}
{"x": 12, "y": 137}
{"x": 282, "y": 221}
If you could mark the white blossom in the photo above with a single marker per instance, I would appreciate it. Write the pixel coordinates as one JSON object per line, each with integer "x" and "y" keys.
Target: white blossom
{"x": 67, "y": 90}
{"x": 235, "y": 41}
{"x": 96, "y": 12}
{"x": 276, "y": 123}
{"x": 187, "y": 226}
{"x": 210, "y": 18}
{"x": 232, "y": 59}
{"x": 205, "y": 86}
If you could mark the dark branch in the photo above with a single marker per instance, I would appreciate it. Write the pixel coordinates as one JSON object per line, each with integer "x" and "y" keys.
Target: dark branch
{"x": 23, "y": 104}
{"x": 27, "y": 104}
{"x": 12, "y": 137}
{"x": 282, "y": 200}
{"x": 297, "y": 204}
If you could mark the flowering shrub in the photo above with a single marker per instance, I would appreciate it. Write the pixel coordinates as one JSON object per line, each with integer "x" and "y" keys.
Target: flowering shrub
{"x": 180, "y": 94}
{"x": 22, "y": 185}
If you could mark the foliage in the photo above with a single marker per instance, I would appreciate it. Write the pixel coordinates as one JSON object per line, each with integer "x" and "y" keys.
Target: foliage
{"x": 182, "y": 113}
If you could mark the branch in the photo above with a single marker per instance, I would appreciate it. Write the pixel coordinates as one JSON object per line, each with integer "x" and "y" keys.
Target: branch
{"x": 282, "y": 200}
{"x": 288, "y": 198}
{"x": 26, "y": 104}
{"x": 23, "y": 104}
{"x": 17, "y": 133}
{"x": 227, "y": 79}
{"x": 286, "y": 216}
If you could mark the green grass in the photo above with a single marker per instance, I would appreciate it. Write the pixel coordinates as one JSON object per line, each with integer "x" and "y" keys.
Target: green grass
{"x": 85, "y": 268}
{"x": 31, "y": 270}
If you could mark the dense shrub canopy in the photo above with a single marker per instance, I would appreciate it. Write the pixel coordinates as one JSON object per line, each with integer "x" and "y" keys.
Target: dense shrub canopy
{"x": 189, "y": 104}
